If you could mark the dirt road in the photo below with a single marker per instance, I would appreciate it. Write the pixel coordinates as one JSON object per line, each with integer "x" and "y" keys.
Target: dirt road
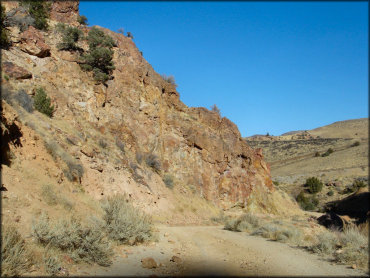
{"x": 210, "y": 250}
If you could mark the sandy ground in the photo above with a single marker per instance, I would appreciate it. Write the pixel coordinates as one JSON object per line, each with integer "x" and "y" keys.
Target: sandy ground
{"x": 210, "y": 250}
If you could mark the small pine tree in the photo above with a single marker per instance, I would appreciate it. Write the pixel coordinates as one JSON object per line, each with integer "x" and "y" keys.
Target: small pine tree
{"x": 314, "y": 185}
{"x": 99, "y": 58}
{"x": 42, "y": 103}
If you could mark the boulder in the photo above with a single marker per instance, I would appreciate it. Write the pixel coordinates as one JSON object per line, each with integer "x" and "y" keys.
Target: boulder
{"x": 16, "y": 72}
{"x": 148, "y": 263}
{"x": 33, "y": 43}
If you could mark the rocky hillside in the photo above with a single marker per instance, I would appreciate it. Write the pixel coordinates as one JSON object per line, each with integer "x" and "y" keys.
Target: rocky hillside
{"x": 296, "y": 156}
{"x": 129, "y": 134}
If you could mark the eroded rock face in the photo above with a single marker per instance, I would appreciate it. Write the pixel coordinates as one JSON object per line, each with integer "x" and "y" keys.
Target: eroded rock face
{"x": 33, "y": 43}
{"x": 194, "y": 145}
{"x": 64, "y": 11}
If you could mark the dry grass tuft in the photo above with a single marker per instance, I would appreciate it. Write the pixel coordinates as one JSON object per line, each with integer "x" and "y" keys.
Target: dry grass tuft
{"x": 15, "y": 257}
{"x": 124, "y": 222}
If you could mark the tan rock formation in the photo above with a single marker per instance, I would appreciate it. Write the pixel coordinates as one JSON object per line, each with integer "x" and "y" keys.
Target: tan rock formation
{"x": 194, "y": 145}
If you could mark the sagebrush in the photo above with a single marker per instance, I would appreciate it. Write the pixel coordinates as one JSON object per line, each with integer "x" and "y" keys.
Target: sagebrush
{"x": 84, "y": 243}
{"x": 15, "y": 257}
{"x": 125, "y": 223}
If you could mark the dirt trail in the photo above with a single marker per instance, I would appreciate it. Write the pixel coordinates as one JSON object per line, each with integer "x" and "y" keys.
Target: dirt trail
{"x": 210, "y": 250}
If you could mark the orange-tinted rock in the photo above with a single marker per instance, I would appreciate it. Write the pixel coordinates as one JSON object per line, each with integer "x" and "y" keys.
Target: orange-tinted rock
{"x": 33, "y": 43}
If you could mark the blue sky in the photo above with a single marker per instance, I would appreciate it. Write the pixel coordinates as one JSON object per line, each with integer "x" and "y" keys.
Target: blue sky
{"x": 269, "y": 66}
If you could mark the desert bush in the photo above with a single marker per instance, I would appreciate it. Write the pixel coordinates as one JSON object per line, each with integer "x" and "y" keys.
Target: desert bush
{"x": 314, "y": 185}
{"x": 355, "y": 144}
{"x": 42, "y": 103}
{"x": 355, "y": 249}
{"x": 75, "y": 171}
{"x": 152, "y": 161}
{"x": 330, "y": 193}
{"x": 245, "y": 222}
{"x": 52, "y": 263}
{"x": 70, "y": 37}
{"x": 129, "y": 35}
{"x": 169, "y": 79}
{"x": 99, "y": 58}
{"x": 307, "y": 203}
{"x": 6, "y": 77}
{"x": 328, "y": 152}
{"x": 39, "y": 11}
{"x": 82, "y": 20}
{"x": 15, "y": 257}
{"x": 125, "y": 223}
{"x": 102, "y": 143}
{"x": 326, "y": 243}
{"x": 82, "y": 243}
{"x": 317, "y": 154}
{"x": 168, "y": 181}
{"x": 49, "y": 194}
{"x": 19, "y": 97}
{"x": 358, "y": 184}
{"x": 276, "y": 183}
{"x": 214, "y": 108}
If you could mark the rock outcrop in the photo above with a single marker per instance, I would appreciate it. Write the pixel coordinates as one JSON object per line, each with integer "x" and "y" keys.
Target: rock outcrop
{"x": 197, "y": 147}
{"x": 14, "y": 71}
{"x": 33, "y": 43}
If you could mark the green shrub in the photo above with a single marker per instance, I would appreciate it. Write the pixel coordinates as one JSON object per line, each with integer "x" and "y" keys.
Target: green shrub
{"x": 82, "y": 20}
{"x": 355, "y": 144}
{"x": 276, "y": 183}
{"x": 99, "y": 58}
{"x": 129, "y": 35}
{"x": 39, "y": 11}
{"x": 15, "y": 257}
{"x": 125, "y": 223}
{"x": 70, "y": 37}
{"x": 328, "y": 152}
{"x": 168, "y": 181}
{"x": 4, "y": 39}
{"x": 83, "y": 243}
{"x": 42, "y": 103}
{"x": 307, "y": 203}
{"x": 153, "y": 162}
{"x": 358, "y": 184}
{"x": 314, "y": 185}
{"x": 331, "y": 193}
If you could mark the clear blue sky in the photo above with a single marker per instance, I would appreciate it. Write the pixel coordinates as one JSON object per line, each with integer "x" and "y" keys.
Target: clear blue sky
{"x": 269, "y": 66}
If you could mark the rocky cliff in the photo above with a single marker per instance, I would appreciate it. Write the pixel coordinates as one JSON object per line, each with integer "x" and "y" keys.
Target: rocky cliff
{"x": 112, "y": 129}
